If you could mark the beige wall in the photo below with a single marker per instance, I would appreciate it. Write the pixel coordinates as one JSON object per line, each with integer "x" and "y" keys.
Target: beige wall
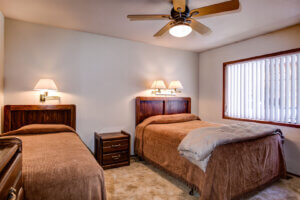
{"x": 210, "y": 80}
{"x": 101, "y": 75}
{"x": 1, "y": 66}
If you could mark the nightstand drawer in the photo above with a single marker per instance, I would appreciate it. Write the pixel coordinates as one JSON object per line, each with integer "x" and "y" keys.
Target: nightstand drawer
{"x": 115, "y": 145}
{"x": 115, "y": 157}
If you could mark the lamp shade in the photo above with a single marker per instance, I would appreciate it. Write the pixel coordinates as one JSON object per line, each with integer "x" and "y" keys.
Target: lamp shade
{"x": 45, "y": 84}
{"x": 158, "y": 84}
{"x": 175, "y": 85}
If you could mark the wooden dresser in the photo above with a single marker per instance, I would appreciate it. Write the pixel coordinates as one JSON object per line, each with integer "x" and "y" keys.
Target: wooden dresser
{"x": 11, "y": 169}
{"x": 112, "y": 149}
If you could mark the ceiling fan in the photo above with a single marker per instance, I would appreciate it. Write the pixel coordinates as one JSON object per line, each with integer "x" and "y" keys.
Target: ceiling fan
{"x": 182, "y": 19}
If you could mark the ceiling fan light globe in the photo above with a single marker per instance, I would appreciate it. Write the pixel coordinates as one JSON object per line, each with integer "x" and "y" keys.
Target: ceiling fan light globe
{"x": 180, "y": 30}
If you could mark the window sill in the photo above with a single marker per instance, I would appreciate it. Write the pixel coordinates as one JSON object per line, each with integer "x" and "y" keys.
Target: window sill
{"x": 263, "y": 122}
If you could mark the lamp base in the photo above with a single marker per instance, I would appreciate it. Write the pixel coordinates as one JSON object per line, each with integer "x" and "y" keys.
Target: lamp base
{"x": 163, "y": 92}
{"x": 44, "y": 97}
{"x": 52, "y": 98}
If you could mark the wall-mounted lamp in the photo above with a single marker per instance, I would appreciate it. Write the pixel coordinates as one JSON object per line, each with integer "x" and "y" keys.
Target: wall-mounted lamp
{"x": 159, "y": 88}
{"x": 45, "y": 85}
{"x": 175, "y": 85}
{"x": 158, "y": 85}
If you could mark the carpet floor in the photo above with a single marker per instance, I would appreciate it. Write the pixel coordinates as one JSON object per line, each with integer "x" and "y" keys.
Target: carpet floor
{"x": 142, "y": 181}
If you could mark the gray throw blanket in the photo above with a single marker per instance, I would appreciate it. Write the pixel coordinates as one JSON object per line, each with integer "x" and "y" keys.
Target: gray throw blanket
{"x": 198, "y": 145}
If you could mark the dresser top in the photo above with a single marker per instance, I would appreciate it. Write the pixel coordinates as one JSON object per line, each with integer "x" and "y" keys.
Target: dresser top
{"x": 111, "y": 136}
{"x": 6, "y": 153}
{"x": 8, "y": 147}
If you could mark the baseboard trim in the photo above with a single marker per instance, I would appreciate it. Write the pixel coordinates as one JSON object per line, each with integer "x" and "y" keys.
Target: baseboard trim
{"x": 290, "y": 173}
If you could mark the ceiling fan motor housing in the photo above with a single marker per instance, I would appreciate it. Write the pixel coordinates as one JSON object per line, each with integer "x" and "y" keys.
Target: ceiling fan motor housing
{"x": 180, "y": 16}
{"x": 182, "y": 20}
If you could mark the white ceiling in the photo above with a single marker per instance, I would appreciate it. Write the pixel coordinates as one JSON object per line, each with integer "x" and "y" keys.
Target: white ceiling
{"x": 108, "y": 17}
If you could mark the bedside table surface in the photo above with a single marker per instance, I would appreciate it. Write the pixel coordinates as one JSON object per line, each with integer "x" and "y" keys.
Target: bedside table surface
{"x": 109, "y": 136}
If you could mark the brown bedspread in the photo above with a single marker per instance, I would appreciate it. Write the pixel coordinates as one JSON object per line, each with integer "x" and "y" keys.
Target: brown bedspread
{"x": 58, "y": 166}
{"x": 233, "y": 169}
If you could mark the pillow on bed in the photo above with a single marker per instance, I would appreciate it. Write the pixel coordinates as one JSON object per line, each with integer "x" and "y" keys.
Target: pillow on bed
{"x": 40, "y": 128}
{"x": 174, "y": 118}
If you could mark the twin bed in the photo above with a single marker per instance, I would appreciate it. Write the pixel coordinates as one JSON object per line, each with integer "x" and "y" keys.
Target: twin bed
{"x": 57, "y": 164}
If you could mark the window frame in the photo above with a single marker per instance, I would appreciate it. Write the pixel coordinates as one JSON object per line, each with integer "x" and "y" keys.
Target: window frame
{"x": 248, "y": 59}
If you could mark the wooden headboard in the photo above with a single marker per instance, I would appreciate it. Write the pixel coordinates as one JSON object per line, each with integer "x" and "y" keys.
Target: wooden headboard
{"x": 150, "y": 106}
{"x": 16, "y": 116}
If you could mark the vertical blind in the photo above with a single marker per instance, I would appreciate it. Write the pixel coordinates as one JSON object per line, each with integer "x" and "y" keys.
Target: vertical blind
{"x": 265, "y": 89}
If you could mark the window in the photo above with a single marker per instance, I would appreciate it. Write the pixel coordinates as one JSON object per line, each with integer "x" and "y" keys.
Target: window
{"x": 263, "y": 89}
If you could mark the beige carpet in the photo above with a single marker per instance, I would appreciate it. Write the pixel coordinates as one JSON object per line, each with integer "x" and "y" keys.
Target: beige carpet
{"x": 142, "y": 181}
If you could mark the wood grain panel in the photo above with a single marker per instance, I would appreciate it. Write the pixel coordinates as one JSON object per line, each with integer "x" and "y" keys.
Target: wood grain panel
{"x": 177, "y": 106}
{"x": 151, "y": 106}
{"x": 10, "y": 167}
{"x": 16, "y": 116}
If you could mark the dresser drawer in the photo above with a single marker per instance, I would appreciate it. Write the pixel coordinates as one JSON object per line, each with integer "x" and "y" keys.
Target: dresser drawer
{"x": 20, "y": 194}
{"x": 115, "y": 145}
{"x": 11, "y": 180}
{"x": 115, "y": 157}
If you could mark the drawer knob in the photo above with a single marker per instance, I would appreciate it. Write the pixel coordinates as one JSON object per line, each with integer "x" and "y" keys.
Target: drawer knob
{"x": 12, "y": 194}
{"x": 115, "y": 145}
{"x": 117, "y": 157}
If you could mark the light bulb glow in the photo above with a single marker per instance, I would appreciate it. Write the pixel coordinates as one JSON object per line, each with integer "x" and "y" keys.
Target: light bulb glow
{"x": 181, "y": 30}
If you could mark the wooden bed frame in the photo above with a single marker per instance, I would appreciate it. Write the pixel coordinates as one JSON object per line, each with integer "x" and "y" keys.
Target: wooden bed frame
{"x": 16, "y": 116}
{"x": 151, "y": 106}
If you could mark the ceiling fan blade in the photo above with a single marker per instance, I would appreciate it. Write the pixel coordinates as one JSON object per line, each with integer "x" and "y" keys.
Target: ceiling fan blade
{"x": 216, "y": 8}
{"x": 147, "y": 17}
{"x": 197, "y": 26}
{"x": 164, "y": 29}
{"x": 179, "y": 5}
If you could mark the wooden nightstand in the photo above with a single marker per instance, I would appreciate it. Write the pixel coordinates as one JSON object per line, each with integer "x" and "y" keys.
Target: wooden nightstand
{"x": 112, "y": 149}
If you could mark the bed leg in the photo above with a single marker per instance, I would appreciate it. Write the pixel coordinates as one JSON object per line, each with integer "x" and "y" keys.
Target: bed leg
{"x": 191, "y": 192}
{"x": 287, "y": 177}
{"x": 140, "y": 158}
